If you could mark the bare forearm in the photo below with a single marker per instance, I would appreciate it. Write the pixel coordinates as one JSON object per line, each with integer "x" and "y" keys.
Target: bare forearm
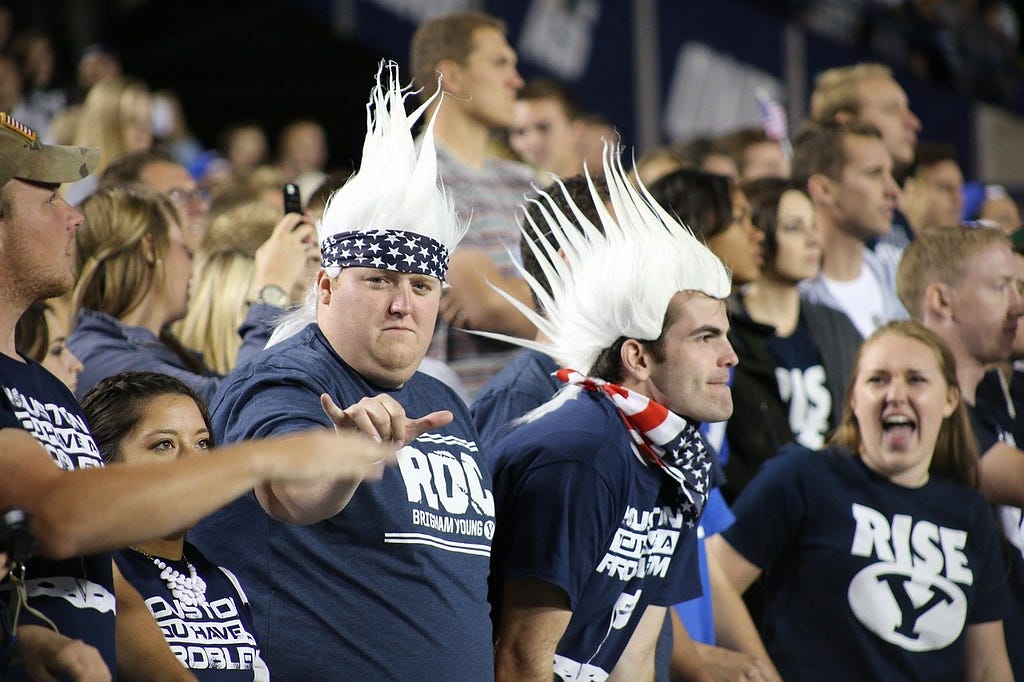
{"x": 46, "y": 655}
{"x": 534, "y": 617}
{"x": 734, "y": 627}
{"x": 1001, "y": 471}
{"x": 90, "y": 510}
{"x": 142, "y": 651}
{"x": 521, "y": 664}
{"x": 686, "y": 664}
{"x": 305, "y": 503}
{"x": 471, "y": 274}
{"x": 94, "y": 510}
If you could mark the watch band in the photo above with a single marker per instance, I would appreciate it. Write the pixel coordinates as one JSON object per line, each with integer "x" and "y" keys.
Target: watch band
{"x": 273, "y": 295}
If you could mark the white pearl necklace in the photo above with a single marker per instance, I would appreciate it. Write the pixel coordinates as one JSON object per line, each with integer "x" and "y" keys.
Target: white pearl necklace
{"x": 190, "y": 590}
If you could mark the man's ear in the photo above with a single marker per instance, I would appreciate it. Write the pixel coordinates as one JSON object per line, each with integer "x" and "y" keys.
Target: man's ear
{"x": 636, "y": 361}
{"x": 323, "y": 287}
{"x": 938, "y": 301}
{"x": 820, "y": 189}
{"x": 451, "y": 76}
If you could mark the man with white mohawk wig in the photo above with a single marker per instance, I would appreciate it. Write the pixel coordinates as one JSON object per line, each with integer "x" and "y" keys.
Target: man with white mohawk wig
{"x": 384, "y": 580}
{"x": 599, "y": 493}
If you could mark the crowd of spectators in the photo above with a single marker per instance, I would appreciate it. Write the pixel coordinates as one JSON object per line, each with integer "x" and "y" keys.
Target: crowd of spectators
{"x": 973, "y": 46}
{"x": 844, "y": 292}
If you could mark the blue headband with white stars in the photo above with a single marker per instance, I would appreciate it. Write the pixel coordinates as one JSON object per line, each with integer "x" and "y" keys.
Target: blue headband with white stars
{"x": 398, "y": 250}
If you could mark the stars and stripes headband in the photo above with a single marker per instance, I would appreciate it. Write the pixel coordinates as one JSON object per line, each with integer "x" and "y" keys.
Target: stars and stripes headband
{"x": 398, "y": 250}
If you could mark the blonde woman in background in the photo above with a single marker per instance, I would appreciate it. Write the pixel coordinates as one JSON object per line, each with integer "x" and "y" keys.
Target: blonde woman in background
{"x": 134, "y": 270}
{"x": 227, "y": 281}
{"x": 115, "y": 117}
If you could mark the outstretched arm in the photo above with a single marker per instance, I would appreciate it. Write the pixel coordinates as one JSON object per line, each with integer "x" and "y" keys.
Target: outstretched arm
{"x": 380, "y": 418}
{"x": 92, "y": 510}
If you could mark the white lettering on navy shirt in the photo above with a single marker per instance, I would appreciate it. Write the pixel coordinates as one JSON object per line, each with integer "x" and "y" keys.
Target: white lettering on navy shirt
{"x": 911, "y": 596}
{"x": 643, "y": 544}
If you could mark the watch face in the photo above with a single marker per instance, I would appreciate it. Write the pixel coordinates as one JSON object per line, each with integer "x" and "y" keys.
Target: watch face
{"x": 273, "y": 295}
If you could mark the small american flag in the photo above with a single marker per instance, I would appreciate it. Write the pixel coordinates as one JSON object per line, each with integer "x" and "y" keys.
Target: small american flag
{"x": 773, "y": 119}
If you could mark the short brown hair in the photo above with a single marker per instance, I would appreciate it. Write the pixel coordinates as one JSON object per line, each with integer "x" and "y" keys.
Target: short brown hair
{"x": 738, "y": 141}
{"x": 837, "y": 90}
{"x": 449, "y": 36}
{"x": 549, "y": 88}
{"x": 940, "y": 255}
{"x": 127, "y": 171}
{"x": 820, "y": 150}
{"x": 575, "y": 189}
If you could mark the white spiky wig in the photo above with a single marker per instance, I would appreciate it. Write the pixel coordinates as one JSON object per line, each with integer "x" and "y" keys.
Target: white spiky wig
{"x": 392, "y": 213}
{"x": 613, "y": 284}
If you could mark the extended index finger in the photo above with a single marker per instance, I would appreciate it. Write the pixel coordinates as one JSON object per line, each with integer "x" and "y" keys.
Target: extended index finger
{"x": 414, "y": 428}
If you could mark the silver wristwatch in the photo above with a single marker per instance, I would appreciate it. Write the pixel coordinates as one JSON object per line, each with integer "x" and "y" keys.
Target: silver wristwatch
{"x": 273, "y": 295}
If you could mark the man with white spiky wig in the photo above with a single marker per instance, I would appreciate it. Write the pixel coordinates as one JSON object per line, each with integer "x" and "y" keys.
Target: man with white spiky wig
{"x": 386, "y": 581}
{"x": 599, "y": 491}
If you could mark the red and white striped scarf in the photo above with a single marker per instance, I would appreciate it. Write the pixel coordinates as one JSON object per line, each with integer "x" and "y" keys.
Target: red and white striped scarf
{"x": 660, "y": 438}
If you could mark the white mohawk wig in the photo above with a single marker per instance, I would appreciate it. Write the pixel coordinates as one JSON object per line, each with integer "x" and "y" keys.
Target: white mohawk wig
{"x": 613, "y": 284}
{"x": 392, "y": 213}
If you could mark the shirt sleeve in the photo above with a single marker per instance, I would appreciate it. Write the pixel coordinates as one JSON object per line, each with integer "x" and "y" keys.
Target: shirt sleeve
{"x": 494, "y": 413}
{"x": 564, "y": 515}
{"x": 682, "y": 582}
{"x": 770, "y": 510}
{"x": 993, "y": 594}
{"x": 278, "y": 403}
{"x": 256, "y": 329}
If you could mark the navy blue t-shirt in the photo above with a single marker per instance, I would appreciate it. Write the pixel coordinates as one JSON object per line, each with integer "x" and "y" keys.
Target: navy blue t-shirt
{"x": 800, "y": 375}
{"x": 76, "y": 594}
{"x": 524, "y": 384}
{"x": 215, "y": 639}
{"x": 989, "y": 429}
{"x": 866, "y": 579}
{"x": 395, "y": 586}
{"x": 579, "y": 510}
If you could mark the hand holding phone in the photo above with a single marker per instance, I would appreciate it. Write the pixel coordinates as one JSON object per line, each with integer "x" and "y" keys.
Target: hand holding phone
{"x": 292, "y": 198}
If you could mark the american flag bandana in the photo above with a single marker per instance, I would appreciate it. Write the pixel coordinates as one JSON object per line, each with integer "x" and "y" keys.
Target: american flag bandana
{"x": 397, "y": 250}
{"x": 660, "y": 438}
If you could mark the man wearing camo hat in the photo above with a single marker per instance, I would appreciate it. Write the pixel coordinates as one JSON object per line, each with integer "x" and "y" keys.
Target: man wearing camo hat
{"x": 51, "y": 467}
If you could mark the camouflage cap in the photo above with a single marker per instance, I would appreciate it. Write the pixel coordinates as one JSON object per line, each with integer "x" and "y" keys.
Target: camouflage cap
{"x": 23, "y": 156}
